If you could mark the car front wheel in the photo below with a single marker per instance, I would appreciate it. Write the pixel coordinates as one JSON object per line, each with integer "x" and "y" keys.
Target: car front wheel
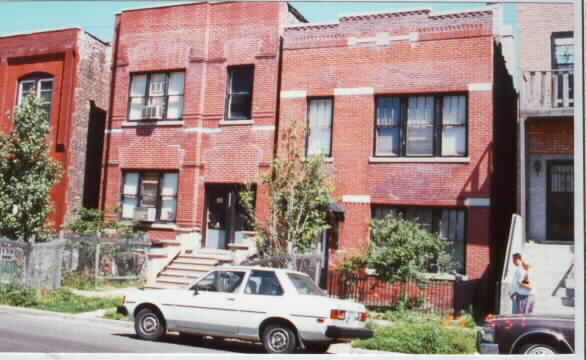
{"x": 279, "y": 339}
{"x": 149, "y": 325}
{"x": 538, "y": 349}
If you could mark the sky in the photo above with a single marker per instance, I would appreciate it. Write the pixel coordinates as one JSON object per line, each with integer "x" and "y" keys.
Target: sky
{"x": 97, "y": 17}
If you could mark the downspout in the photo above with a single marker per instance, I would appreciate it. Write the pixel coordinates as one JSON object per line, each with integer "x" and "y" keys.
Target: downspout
{"x": 278, "y": 104}
{"x": 108, "y": 134}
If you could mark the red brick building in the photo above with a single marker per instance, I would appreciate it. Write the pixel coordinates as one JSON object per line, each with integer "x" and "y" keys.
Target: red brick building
{"x": 192, "y": 118}
{"x": 416, "y": 113}
{"x": 69, "y": 70}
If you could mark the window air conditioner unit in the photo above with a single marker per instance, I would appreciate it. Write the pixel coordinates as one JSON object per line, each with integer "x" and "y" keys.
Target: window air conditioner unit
{"x": 152, "y": 112}
{"x": 144, "y": 214}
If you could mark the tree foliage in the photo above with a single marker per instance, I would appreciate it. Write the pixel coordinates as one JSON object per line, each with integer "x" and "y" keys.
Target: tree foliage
{"x": 27, "y": 174}
{"x": 401, "y": 250}
{"x": 299, "y": 195}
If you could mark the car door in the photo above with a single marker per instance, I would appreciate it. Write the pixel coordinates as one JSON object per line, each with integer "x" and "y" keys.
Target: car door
{"x": 262, "y": 295}
{"x": 210, "y": 307}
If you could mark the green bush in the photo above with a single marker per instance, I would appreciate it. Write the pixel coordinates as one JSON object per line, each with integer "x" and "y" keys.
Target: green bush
{"x": 59, "y": 300}
{"x": 427, "y": 337}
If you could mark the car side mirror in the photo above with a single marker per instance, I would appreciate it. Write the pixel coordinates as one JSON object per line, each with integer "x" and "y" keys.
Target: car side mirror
{"x": 194, "y": 289}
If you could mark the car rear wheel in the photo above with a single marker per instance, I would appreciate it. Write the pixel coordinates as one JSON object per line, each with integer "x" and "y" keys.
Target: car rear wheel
{"x": 279, "y": 339}
{"x": 317, "y": 348}
{"x": 538, "y": 349}
{"x": 149, "y": 325}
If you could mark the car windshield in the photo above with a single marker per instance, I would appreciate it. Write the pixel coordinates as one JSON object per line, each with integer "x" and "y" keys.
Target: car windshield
{"x": 304, "y": 285}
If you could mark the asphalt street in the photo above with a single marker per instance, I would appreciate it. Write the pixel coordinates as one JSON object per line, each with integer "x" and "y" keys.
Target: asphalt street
{"x": 20, "y": 332}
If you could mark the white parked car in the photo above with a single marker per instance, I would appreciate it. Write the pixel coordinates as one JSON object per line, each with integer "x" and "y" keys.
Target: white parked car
{"x": 283, "y": 309}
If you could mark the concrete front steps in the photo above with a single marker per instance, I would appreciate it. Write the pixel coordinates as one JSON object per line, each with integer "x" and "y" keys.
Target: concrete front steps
{"x": 184, "y": 269}
{"x": 552, "y": 270}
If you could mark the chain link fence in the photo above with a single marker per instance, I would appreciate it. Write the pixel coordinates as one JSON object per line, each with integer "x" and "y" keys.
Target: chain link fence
{"x": 106, "y": 256}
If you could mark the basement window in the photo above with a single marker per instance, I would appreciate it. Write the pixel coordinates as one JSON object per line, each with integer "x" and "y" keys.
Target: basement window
{"x": 239, "y": 93}
{"x": 156, "y": 96}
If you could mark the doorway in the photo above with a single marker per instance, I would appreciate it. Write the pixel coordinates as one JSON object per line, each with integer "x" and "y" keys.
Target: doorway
{"x": 225, "y": 218}
{"x": 560, "y": 200}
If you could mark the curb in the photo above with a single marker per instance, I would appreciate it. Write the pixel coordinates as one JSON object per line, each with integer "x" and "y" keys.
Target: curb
{"x": 34, "y": 312}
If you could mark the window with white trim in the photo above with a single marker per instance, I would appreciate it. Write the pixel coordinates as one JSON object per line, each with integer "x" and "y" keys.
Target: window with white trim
{"x": 421, "y": 126}
{"x": 450, "y": 223}
{"x": 319, "y": 129}
{"x": 39, "y": 86}
{"x": 156, "y": 96}
{"x": 239, "y": 93}
{"x": 149, "y": 196}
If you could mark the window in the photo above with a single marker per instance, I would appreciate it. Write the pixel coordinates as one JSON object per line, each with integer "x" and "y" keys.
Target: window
{"x": 263, "y": 283}
{"x": 239, "y": 93}
{"x": 40, "y": 86}
{"x": 562, "y": 44}
{"x": 450, "y": 223}
{"x": 220, "y": 281}
{"x": 424, "y": 126}
{"x": 304, "y": 285}
{"x": 149, "y": 196}
{"x": 319, "y": 133}
{"x": 156, "y": 96}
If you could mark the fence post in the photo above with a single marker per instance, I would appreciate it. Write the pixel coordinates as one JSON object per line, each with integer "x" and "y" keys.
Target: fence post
{"x": 97, "y": 264}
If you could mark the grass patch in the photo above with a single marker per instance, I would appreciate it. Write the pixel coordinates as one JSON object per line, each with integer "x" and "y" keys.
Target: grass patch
{"x": 86, "y": 281}
{"x": 113, "y": 315}
{"x": 415, "y": 332}
{"x": 59, "y": 300}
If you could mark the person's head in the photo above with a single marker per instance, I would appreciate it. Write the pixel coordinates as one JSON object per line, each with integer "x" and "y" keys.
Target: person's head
{"x": 517, "y": 259}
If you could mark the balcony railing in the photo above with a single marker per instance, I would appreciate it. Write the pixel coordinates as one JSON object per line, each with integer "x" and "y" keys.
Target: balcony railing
{"x": 547, "y": 90}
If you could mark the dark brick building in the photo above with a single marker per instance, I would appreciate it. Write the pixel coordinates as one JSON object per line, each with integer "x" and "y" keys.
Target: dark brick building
{"x": 69, "y": 70}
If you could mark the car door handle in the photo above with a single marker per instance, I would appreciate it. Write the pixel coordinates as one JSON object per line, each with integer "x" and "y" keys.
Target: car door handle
{"x": 231, "y": 298}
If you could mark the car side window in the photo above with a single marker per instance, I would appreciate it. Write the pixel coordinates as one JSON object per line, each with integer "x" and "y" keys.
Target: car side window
{"x": 221, "y": 281}
{"x": 263, "y": 283}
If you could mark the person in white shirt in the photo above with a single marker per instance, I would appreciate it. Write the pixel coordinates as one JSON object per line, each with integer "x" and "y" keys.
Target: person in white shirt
{"x": 518, "y": 296}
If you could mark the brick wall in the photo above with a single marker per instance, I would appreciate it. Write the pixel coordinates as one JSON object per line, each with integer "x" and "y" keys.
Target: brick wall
{"x": 550, "y": 136}
{"x": 57, "y": 53}
{"x": 202, "y": 39}
{"x": 427, "y": 54}
{"x": 535, "y": 23}
{"x": 93, "y": 82}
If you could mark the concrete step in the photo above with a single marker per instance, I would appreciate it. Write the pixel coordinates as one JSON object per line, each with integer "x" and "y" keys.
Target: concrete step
{"x": 215, "y": 252}
{"x": 184, "y": 273}
{"x": 207, "y": 257}
{"x": 185, "y": 266}
{"x": 172, "y": 282}
{"x": 198, "y": 260}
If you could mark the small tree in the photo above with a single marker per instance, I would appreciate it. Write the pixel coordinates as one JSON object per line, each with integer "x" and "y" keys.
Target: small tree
{"x": 27, "y": 174}
{"x": 299, "y": 196}
{"x": 401, "y": 251}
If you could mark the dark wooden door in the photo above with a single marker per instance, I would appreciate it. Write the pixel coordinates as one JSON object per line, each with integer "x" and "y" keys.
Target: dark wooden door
{"x": 560, "y": 200}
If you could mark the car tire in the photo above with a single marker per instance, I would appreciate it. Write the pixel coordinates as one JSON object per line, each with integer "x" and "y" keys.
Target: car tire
{"x": 279, "y": 339}
{"x": 317, "y": 348}
{"x": 149, "y": 325}
{"x": 538, "y": 349}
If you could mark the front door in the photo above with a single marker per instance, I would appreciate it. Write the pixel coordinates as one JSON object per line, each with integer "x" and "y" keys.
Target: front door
{"x": 226, "y": 220}
{"x": 560, "y": 200}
